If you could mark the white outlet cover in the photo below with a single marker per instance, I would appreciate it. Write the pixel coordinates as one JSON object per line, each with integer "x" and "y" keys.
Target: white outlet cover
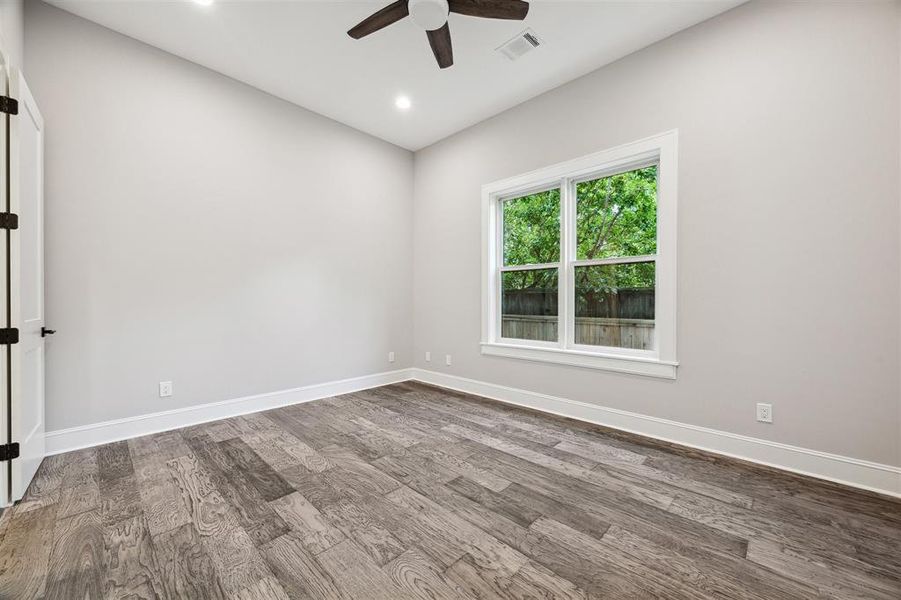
{"x": 764, "y": 412}
{"x": 428, "y": 357}
{"x": 165, "y": 389}
{"x": 391, "y": 357}
{"x": 447, "y": 360}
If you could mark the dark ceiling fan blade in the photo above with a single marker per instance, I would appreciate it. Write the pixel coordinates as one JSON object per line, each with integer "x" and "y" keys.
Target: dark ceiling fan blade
{"x": 440, "y": 41}
{"x": 491, "y": 9}
{"x": 390, "y": 14}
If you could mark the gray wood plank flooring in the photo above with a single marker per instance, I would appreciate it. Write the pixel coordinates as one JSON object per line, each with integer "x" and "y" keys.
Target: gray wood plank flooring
{"x": 412, "y": 491}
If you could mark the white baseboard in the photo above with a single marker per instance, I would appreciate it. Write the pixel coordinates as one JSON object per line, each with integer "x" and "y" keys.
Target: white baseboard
{"x": 75, "y": 438}
{"x": 876, "y": 477}
{"x": 885, "y": 479}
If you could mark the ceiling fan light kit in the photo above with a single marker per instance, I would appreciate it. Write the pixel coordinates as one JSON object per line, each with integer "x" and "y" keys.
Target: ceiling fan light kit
{"x": 431, "y": 16}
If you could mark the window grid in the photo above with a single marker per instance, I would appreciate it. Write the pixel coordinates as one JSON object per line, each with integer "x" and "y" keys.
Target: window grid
{"x": 566, "y": 267}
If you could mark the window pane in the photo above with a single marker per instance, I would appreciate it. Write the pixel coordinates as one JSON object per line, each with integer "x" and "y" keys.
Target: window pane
{"x": 615, "y": 305}
{"x": 532, "y": 229}
{"x": 617, "y": 215}
{"x": 529, "y": 305}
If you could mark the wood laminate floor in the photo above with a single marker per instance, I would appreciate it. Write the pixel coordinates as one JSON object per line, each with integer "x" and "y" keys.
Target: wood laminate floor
{"x": 409, "y": 491}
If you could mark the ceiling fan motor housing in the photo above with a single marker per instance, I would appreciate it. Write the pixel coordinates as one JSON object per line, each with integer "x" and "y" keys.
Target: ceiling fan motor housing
{"x": 429, "y": 14}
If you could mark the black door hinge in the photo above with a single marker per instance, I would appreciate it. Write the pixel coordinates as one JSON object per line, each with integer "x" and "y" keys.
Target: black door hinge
{"x": 9, "y": 451}
{"x": 9, "y": 335}
{"x": 9, "y": 105}
{"x": 9, "y": 221}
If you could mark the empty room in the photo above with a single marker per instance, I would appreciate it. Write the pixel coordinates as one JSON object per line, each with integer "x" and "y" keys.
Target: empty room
{"x": 450, "y": 299}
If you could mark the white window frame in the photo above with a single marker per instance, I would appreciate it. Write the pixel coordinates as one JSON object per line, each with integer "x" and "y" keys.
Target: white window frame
{"x": 660, "y": 150}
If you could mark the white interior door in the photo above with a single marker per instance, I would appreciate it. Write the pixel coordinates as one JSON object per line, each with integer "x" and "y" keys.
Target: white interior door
{"x": 26, "y": 199}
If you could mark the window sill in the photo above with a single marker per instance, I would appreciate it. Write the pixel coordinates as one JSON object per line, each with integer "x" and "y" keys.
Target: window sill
{"x": 649, "y": 367}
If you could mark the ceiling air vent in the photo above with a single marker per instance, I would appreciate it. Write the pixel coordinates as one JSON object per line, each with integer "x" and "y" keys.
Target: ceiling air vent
{"x": 525, "y": 42}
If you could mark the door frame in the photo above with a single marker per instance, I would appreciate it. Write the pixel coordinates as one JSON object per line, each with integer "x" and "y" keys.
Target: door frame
{"x": 31, "y": 443}
{"x": 6, "y": 354}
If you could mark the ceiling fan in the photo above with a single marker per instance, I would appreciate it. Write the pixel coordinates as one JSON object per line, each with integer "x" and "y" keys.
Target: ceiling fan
{"x": 431, "y": 15}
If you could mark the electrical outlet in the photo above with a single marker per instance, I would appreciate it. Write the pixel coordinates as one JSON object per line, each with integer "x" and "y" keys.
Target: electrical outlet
{"x": 391, "y": 357}
{"x": 428, "y": 357}
{"x": 447, "y": 359}
{"x": 165, "y": 389}
{"x": 764, "y": 412}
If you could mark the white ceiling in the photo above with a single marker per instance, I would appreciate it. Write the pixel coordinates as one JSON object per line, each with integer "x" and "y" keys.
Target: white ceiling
{"x": 298, "y": 50}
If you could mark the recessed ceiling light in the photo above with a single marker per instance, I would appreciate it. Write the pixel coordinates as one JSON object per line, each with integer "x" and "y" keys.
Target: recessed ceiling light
{"x": 403, "y": 103}
{"x": 204, "y": 2}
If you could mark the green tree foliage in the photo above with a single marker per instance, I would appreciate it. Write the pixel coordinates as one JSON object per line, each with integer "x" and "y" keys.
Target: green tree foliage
{"x": 532, "y": 229}
{"x": 617, "y": 215}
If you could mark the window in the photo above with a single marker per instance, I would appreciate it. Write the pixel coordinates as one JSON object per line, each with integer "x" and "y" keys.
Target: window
{"x": 579, "y": 261}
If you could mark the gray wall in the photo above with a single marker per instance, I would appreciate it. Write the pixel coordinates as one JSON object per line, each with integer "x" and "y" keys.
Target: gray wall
{"x": 200, "y": 231}
{"x": 789, "y": 190}
{"x": 12, "y": 28}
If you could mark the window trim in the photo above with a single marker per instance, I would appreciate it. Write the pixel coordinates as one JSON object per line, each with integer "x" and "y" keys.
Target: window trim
{"x": 660, "y": 150}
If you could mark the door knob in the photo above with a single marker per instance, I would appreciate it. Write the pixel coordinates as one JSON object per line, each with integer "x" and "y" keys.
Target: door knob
{"x": 45, "y": 332}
